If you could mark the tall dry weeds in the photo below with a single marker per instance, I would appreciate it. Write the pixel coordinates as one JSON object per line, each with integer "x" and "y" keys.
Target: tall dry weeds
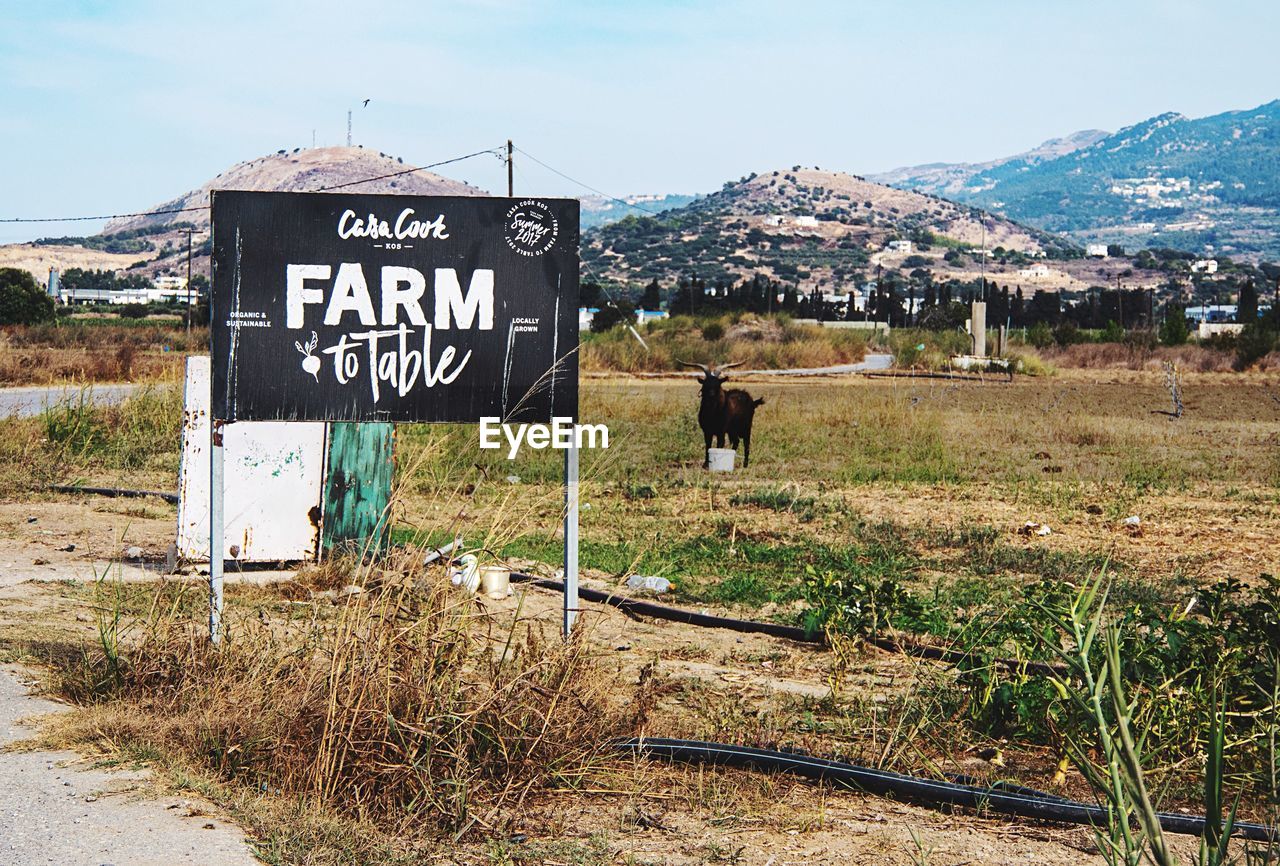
{"x": 407, "y": 705}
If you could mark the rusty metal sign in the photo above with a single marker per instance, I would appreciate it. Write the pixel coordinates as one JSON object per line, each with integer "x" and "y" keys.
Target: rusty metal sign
{"x": 273, "y": 487}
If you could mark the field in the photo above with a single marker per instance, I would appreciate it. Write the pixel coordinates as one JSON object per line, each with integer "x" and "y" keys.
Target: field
{"x": 872, "y": 509}
{"x": 97, "y": 349}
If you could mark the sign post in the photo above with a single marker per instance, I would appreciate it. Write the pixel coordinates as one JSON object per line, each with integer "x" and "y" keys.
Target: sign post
{"x": 217, "y": 529}
{"x": 380, "y": 308}
{"x": 570, "y": 538}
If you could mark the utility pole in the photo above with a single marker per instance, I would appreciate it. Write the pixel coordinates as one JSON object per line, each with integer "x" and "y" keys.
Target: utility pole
{"x": 510, "y": 169}
{"x": 982, "y": 254}
{"x": 188, "y": 231}
{"x": 348, "y": 127}
{"x": 866, "y": 314}
{"x": 1119, "y": 301}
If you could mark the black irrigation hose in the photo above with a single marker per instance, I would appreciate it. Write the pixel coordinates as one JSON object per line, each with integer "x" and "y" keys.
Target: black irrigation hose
{"x": 1005, "y": 800}
{"x": 788, "y": 632}
{"x": 114, "y": 491}
{"x": 675, "y": 614}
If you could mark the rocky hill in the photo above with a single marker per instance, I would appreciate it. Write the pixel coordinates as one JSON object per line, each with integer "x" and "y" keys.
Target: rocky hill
{"x": 809, "y": 228}
{"x": 1209, "y": 184}
{"x": 151, "y": 245}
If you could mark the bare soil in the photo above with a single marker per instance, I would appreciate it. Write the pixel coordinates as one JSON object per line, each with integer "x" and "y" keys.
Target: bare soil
{"x": 657, "y": 814}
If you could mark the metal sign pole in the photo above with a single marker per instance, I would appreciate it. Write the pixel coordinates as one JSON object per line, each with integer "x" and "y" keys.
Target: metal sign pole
{"x": 570, "y": 537}
{"x": 217, "y": 527}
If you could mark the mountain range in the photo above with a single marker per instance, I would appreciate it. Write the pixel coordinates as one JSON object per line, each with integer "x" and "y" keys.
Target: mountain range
{"x": 1209, "y": 184}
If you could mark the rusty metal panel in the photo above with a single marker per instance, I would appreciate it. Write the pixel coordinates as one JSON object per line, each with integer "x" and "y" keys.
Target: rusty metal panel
{"x": 274, "y": 481}
{"x": 357, "y": 488}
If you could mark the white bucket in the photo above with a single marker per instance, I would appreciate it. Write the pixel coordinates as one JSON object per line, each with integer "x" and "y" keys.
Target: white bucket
{"x": 720, "y": 459}
{"x": 495, "y": 581}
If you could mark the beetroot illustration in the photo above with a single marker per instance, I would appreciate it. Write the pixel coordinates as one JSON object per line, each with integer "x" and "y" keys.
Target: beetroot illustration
{"x": 310, "y": 363}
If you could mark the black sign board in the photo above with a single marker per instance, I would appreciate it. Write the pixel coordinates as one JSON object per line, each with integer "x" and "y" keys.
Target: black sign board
{"x": 336, "y": 307}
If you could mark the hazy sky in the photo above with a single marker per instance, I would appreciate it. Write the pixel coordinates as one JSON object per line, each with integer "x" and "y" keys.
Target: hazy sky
{"x": 119, "y": 106}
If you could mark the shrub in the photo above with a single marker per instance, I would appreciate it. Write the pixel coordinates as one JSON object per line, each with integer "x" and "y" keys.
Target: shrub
{"x": 1040, "y": 336}
{"x": 22, "y": 301}
{"x": 612, "y": 315}
{"x": 1254, "y": 342}
{"x": 712, "y": 331}
{"x": 1173, "y": 330}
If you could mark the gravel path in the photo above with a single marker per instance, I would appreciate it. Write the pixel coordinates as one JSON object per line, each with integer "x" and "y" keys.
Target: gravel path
{"x": 53, "y": 811}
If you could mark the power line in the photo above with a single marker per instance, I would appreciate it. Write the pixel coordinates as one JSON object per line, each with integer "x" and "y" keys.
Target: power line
{"x": 161, "y": 212}
{"x": 586, "y": 185}
{"x": 493, "y": 151}
{"x": 109, "y": 216}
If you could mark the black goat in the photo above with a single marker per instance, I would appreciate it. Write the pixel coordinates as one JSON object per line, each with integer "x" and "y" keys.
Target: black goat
{"x": 724, "y": 413}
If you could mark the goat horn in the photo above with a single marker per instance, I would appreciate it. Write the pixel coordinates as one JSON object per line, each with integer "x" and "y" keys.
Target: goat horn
{"x": 704, "y": 367}
{"x": 724, "y": 367}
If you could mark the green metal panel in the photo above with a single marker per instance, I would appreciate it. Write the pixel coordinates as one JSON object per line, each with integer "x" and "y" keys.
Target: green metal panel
{"x": 357, "y": 487}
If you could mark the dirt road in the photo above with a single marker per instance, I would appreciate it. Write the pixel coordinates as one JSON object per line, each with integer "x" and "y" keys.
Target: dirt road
{"x": 54, "y": 809}
{"x": 28, "y": 402}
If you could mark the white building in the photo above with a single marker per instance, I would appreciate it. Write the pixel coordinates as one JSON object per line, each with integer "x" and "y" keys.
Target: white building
{"x": 149, "y": 295}
{"x": 1205, "y": 330}
{"x": 1208, "y": 266}
{"x": 900, "y": 247}
{"x": 807, "y": 222}
{"x": 1096, "y": 250}
{"x": 1034, "y": 272}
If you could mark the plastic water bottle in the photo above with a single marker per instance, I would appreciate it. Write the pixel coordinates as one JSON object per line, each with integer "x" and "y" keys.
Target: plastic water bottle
{"x": 649, "y": 583}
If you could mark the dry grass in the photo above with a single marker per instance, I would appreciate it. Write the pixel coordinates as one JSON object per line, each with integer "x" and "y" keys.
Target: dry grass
{"x": 133, "y": 442}
{"x": 81, "y": 353}
{"x": 405, "y": 706}
{"x": 758, "y": 342}
{"x": 1120, "y": 356}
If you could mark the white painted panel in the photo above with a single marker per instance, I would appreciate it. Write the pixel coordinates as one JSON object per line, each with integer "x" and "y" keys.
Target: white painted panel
{"x": 274, "y": 481}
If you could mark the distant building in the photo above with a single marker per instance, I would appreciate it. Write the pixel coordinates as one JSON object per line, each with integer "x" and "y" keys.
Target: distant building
{"x": 1096, "y": 250}
{"x": 807, "y": 222}
{"x": 1205, "y": 330}
{"x": 1207, "y": 266}
{"x": 773, "y": 220}
{"x": 585, "y": 315}
{"x": 170, "y": 283}
{"x": 643, "y": 316}
{"x": 900, "y": 247}
{"x": 1034, "y": 272}
{"x": 1212, "y": 313}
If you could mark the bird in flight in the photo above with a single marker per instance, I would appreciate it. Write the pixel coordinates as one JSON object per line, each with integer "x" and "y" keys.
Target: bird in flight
{"x": 366, "y": 103}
